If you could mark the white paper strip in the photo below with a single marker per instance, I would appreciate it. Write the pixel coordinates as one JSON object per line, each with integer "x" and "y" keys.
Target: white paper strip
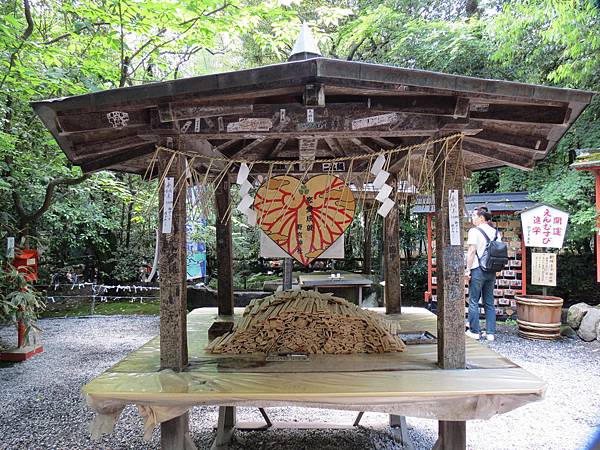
{"x": 245, "y": 188}
{"x": 385, "y": 207}
{"x": 378, "y": 165}
{"x": 168, "y": 204}
{"x": 453, "y": 218}
{"x": 246, "y": 203}
{"x": 380, "y": 179}
{"x": 384, "y": 193}
{"x": 243, "y": 173}
{"x": 251, "y": 215}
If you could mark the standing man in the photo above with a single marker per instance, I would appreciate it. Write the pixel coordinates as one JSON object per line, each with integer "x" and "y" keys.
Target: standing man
{"x": 481, "y": 284}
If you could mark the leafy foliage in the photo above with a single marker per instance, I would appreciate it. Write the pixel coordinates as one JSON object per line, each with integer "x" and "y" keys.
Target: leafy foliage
{"x": 57, "y": 48}
{"x": 19, "y": 301}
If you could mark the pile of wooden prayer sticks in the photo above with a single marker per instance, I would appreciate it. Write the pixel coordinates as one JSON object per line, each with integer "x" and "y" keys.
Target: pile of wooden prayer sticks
{"x": 309, "y": 322}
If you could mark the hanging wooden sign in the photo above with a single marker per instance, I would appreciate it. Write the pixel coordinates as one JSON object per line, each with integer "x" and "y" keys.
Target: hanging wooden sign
{"x": 304, "y": 219}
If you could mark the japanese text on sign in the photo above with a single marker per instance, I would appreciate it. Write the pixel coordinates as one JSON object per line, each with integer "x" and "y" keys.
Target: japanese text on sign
{"x": 544, "y": 226}
{"x": 168, "y": 205}
{"x": 543, "y": 269}
{"x": 454, "y": 218}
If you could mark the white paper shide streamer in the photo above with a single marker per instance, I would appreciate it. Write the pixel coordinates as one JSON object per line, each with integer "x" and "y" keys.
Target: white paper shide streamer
{"x": 245, "y": 205}
{"x": 379, "y": 183}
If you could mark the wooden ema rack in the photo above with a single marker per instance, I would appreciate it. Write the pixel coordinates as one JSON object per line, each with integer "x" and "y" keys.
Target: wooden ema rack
{"x": 510, "y": 282}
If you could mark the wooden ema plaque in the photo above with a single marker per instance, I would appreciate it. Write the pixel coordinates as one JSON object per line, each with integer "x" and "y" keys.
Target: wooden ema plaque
{"x": 304, "y": 219}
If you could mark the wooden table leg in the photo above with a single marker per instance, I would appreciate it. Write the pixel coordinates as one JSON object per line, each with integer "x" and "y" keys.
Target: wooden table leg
{"x": 225, "y": 427}
{"x": 175, "y": 434}
{"x": 451, "y": 436}
{"x": 400, "y": 431}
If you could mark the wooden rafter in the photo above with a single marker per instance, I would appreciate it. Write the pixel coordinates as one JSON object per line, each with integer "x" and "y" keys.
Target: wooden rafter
{"x": 249, "y": 148}
{"x": 507, "y": 158}
{"x": 362, "y": 145}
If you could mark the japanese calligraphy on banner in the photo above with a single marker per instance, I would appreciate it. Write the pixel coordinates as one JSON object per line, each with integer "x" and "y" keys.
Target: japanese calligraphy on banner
{"x": 543, "y": 269}
{"x": 454, "y": 218}
{"x": 167, "y": 224}
{"x": 544, "y": 226}
{"x": 304, "y": 219}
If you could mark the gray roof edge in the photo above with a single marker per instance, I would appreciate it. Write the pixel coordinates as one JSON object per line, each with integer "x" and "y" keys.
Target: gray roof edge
{"x": 539, "y": 92}
{"x": 325, "y": 68}
{"x": 302, "y": 70}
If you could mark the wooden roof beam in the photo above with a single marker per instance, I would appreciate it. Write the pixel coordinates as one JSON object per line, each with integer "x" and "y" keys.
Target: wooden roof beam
{"x": 506, "y": 158}
{"x": 225, "y": 145}
{"x": 184, "y": 110}
{"x": 249, "y": 148}
{"x": 96, "y": 149}
{"x": 520, "y": 113}
{"x": 277, "y": 149}
{"x": 439, "y": 105}
{"x": 383, "y": 143}
{"x": 335, "y": 147}
{"x": 94, "y": 164}
{"x": 117, "y": 119}
{"x": 362, "y": 145}
{"x": 516, "y": 149}
{"x": 509, "y": 137}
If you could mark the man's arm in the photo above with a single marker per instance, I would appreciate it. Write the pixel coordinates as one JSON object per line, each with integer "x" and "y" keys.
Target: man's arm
{"x": 471, "y": 252}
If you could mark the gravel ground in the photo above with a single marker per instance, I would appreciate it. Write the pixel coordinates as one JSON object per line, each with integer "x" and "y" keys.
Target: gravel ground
{"x": 41, "y": 405}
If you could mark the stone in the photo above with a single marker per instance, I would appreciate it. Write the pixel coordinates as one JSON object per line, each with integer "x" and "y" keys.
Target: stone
{"x": 588, "y": 330}
{"x": 576, "y": 314}
{"x": 567, "y": 331}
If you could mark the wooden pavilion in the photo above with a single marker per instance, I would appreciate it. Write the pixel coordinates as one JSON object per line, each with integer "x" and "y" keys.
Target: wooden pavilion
{"x": 330, "y": 108}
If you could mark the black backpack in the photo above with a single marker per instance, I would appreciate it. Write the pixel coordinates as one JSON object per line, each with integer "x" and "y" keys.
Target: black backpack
{"x": 495, "y": 255}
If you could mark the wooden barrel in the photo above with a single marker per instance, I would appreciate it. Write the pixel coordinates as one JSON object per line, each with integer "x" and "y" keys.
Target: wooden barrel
{"x": 539, "y": 316}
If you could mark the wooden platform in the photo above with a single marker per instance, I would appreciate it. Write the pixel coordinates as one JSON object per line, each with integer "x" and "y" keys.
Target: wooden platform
{"x": 405, "y": 384}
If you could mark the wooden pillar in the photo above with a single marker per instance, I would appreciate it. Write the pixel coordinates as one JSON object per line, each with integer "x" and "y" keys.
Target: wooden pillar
{"x": 391, "y": 250}
{"x": 172, "y": 265}
{"x": 448, "y": 175}
{"x": 597, "y": 174}
{"x": 452, "y": 435}
{"x": 288, "y": 266}
{"x": 173, "y": 294}
{"x": 367, "y": 241}
{"x": 224, "y": 251}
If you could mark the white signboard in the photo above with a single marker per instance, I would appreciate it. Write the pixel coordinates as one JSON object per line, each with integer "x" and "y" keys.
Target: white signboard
{"x": 374, "y": 121}
{"x": 454, "y": 218}
{"x": 544, "y": 226}
{"x": 168, "y": 204}
{"x": 269, "y": 249}
{"x": 250, "y": 124}
{"x": 543, "y": 269}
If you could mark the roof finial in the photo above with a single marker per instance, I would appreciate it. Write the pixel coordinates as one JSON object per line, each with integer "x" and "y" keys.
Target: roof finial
{"x": 305, "y": 46}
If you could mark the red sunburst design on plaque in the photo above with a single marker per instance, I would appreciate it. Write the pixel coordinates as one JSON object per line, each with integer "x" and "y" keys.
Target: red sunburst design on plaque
{"x": 304, "y": 219}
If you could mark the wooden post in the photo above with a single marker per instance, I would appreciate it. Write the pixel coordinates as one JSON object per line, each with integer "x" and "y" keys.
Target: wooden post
{"x": 173, "y": 295}
{"x": 288, "y": 266}
{"x": 391, "y": 250}
{"x": 224, "y": 251}
{"x": 172, "y": 264}
{"x": 429, "y": 292}
{"x": 452, "y": 435}
{"x": 448, "y": 175}
{"x": 367, "y": 241}
{"x": 597, "y": 174}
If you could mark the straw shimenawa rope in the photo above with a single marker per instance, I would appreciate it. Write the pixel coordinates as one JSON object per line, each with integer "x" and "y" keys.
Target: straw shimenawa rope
{"x": 310, "y": 322}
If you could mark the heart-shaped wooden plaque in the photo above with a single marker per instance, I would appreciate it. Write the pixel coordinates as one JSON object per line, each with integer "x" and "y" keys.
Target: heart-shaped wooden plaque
{"x": 304, "y": 219}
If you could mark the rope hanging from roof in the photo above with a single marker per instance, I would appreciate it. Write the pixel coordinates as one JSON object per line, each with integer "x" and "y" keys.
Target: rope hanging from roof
{"x": 204, "y": 174}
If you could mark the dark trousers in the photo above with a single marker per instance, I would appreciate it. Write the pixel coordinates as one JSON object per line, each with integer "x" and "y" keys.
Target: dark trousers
{"x": 482, "y": 286}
